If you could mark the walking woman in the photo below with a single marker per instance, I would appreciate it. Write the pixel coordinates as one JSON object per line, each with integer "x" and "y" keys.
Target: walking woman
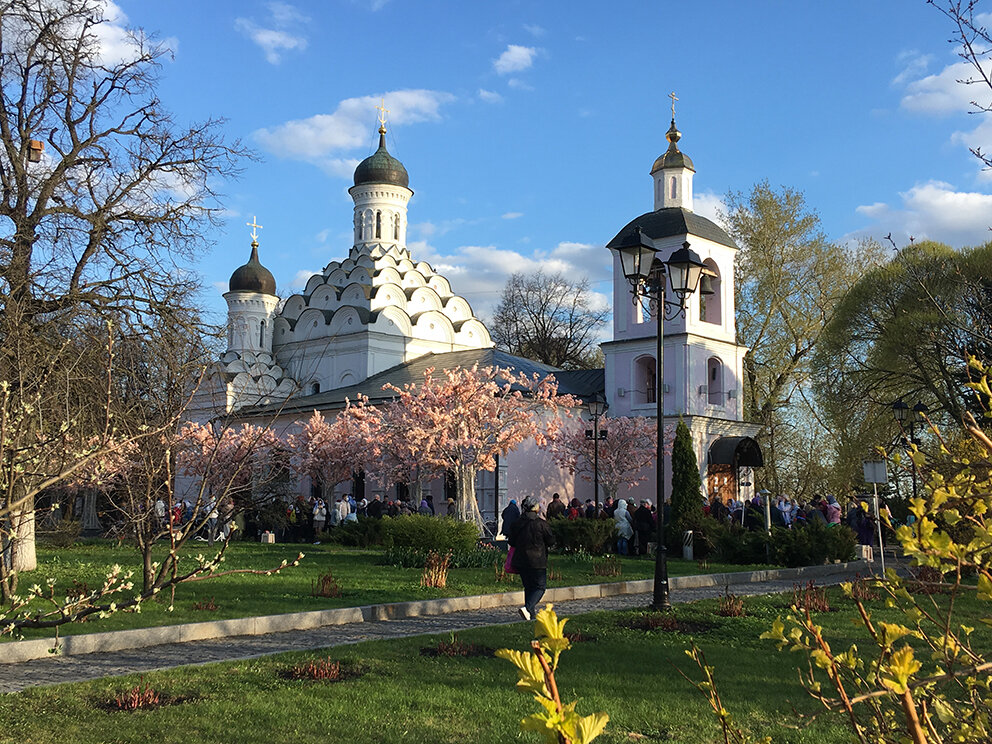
{"x": 530, "y": 538}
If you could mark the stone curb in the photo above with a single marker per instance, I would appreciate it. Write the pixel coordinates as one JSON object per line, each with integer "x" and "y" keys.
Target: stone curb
{"x": 123, "y": 640}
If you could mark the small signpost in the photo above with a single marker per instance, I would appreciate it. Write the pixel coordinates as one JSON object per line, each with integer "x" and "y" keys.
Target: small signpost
{"x": 875, "y": 473}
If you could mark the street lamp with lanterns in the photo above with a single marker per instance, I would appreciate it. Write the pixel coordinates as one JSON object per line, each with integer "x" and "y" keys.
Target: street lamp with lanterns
{"x": 597, "y": 407}
{"x": 646, "y": 273}
{"x": 908, "y": 418}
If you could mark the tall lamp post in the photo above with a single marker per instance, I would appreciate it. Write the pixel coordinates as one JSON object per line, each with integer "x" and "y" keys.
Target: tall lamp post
{"x": 597, "y": 407}
{"x": 646, "y": 274}
{"x": 908, "y": 418}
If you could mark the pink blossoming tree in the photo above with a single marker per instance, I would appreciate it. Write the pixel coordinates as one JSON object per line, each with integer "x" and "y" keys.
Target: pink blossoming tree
{"x": 463, "y": 418}
{"x": 628, "y": 449}
{"x": 329, "y": 452}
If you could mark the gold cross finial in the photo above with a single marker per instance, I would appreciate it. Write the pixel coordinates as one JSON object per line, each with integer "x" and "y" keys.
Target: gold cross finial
{"x": 255, "y": 227}
{"x": 382, "y": 112}
{"x": 674, "y": 99}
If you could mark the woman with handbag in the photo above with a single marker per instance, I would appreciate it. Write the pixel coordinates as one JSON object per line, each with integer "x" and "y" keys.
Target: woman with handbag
{"x": 530, "y": 537}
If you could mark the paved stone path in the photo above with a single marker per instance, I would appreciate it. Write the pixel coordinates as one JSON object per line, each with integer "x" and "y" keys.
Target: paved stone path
{"x": 59, "y": 669}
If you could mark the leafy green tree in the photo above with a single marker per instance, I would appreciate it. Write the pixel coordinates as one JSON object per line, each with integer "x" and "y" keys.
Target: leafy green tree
{"x": 687, "y": 486}
{"x": 788, "y": 281}
{"x": 906, "y": 329}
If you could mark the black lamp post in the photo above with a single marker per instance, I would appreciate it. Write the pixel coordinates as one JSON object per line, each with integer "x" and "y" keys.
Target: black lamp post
{"x": 646, "y": 274}
{"x": 597, "y": 407}
{"x": 908, "y": 418}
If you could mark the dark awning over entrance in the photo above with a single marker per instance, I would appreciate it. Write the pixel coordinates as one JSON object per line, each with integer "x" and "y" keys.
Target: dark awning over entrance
{"x": 736, "y": 451}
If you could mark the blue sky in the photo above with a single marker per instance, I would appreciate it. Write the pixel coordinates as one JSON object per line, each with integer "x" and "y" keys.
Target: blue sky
{"x": 528, "y": 129}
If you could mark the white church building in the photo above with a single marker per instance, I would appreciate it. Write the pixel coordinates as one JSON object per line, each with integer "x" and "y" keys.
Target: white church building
{"x": 380, "y": 316}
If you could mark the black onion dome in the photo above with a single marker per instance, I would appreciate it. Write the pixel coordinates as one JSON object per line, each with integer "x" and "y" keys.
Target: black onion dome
{"x": 253, "y": 277}
{"x": 381, "y": 167}
{"x": 673, "y": 157}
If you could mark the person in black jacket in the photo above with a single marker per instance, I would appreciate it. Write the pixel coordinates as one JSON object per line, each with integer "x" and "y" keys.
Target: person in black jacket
{"x": 644, "y": 526}
{"x": 510, "y": 515}
{"x": 530, "y": 538}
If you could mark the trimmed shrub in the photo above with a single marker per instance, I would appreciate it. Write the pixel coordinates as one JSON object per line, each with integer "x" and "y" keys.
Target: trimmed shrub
{"x": 429, "y": 533}
{"x": 408, "y": 557}
{"x": 812, "y": 545}
{"x": 65, "y": 534}
{"x": 364, "y": 533}
{"x": 594, "y": 536}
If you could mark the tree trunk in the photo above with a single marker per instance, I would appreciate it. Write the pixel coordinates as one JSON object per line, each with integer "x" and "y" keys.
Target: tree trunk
{"x": 147, "y": 571}
{"x": 23, "y": 548}
{"x": 468, "y": 507}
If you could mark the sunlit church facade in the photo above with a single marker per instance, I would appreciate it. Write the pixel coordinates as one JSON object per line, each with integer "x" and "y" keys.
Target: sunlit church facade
{"x": 381, "y": 316}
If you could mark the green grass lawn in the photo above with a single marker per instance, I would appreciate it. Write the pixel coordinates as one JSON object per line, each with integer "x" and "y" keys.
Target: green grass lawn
{"x": 359, "y": 573}
{"x": 403, "y": 696}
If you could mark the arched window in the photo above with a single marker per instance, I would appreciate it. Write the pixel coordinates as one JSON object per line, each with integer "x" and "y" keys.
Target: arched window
{"x": 711, "y": 305}
{"x": 645, "y": 380}
{"x": 314, "y": 388}
{"x": 261, "y": 334}
{"x": 674, "y": 186}
{"x": 378, "y": 224}
{"x": 396, "y": 227}
{"x": 367, "y": 225}
{"x": 714, "y": 381}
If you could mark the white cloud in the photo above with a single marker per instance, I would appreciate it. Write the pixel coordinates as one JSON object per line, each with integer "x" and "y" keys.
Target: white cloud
{"x": 479, "y": 273}
{"x": 117, "y": 43}
{"x": 945, "y": 93}
{"x": 322, "y": 139}
{"x": 282, "y": 33}
{"x": 284, "y": 14}
{"x": 913, "y": 66}
{"x": 979, "y": 138}
{"x": 515, "y": 58}
{"x": 710, "y": 206}
{"x": 512, "y": 215}
{"x": 518, "y": 84}
{"x": 534, "y": 30}
{"x": 941, "y": 93}
{"x": 301, "y": 278}
{"x": 489, "y": 96}
{"x": 931, "y": 211}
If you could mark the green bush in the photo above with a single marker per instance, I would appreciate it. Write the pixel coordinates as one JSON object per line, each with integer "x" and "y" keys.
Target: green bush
{"x": 811, "y": 545}
{"x": 594, "y": 536}
{"x": 65, "y": 534}
{"x": 841, "y": 543}
{"x": 364, "y": 533}
{"x": 429, "y": 533}
{"x": 410, "y": 557}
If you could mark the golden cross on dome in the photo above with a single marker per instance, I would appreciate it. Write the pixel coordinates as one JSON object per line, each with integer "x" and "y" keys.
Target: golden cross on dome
{"x": 674, "y": 99}
{"x": 382, "y": 112}
{"x": 255, "y": 227}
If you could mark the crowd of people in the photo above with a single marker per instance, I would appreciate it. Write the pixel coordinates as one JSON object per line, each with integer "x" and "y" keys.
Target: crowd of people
{"x": 788, "y": 513}
{"x": 634, "y": 528}
{"x": 306, "y": 519}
